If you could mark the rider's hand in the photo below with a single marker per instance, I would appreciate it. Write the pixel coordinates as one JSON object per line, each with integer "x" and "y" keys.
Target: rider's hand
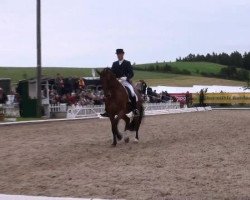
{"x": 123, "y": 78}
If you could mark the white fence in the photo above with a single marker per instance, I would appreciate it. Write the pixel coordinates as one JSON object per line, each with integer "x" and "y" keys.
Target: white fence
{"x": 85, "y": 112}
{"x": 94, "y": 111}
{"x": 150, "y": 109}
{"x": 60, "y": 107}
{"x": 161, "y": 106}
{"x": 10, "y": 111}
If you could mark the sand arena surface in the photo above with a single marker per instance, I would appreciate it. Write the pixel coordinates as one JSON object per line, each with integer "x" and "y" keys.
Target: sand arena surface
{"x": 183, "y": 156}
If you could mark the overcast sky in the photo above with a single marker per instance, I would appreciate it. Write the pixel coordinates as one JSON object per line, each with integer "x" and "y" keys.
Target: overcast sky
{"x": 85, "y": 33}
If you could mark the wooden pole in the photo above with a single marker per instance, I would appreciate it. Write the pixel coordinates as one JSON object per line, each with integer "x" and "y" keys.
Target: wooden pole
{"x": 39, "y": 58}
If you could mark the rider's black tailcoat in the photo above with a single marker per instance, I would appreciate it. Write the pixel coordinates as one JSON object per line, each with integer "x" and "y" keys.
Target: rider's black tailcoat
{"x": 123, "y": 70}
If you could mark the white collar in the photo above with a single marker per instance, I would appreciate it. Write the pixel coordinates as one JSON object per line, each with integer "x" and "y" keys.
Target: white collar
{"x": 121, "y": 61}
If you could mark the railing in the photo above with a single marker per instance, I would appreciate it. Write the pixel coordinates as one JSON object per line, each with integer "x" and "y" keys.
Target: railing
{"x": 60, "y": 107}
{"x": 10, "y": 110}
{"x": 161, "y": 106}
{"x": 85, "y": 112}
{"x": 94, "y": 111}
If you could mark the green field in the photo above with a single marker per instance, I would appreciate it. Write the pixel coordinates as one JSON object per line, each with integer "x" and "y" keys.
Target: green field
{"x": 153, "y": 78}
{"x": 198, "y": 67}
{"x": 20, "y": 73}
{"x": 194, "y": 67}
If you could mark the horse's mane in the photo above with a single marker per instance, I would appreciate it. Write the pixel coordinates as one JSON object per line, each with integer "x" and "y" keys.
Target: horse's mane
{"x": 109, "y": 78}
{"x": 108, "y": 74}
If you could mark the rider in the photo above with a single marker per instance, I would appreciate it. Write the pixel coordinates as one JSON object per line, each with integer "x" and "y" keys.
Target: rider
{"x": 124, "y": 73}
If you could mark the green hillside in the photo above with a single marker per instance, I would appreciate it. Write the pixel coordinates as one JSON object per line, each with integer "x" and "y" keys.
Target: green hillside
{"x": 196, "y": 68}
{"x": 20, "y": 73}
{"x": 152, "y": 77}
{"x": 156, "y": 78}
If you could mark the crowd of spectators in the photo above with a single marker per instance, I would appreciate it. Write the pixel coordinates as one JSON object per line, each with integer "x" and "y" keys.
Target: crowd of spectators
{"x": 163, "y": 97}
{"x": 73, "y": 91}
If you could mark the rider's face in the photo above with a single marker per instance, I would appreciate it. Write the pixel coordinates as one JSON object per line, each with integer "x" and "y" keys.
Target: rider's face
{"x": 120, "y": 56}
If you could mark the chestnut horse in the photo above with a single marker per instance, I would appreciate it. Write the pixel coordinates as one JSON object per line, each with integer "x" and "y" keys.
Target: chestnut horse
{"x": 117, "y": 105}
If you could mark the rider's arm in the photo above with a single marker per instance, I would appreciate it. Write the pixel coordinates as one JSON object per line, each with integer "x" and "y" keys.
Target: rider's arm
{"x": 129, "y": 71}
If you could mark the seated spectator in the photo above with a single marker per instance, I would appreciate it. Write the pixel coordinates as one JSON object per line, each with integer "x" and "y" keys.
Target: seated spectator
{"x": 71, "y": 99}
{"x": 165, "y": 97}
{"x": 81, "y": 84}
{"x": 144, "y": 87}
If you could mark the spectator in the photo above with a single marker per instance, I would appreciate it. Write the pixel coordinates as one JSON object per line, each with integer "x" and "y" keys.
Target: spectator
{"x": 202, "y": 98}
{"x": 188, "y": 99}
{"x": 165, "y": 97}
{"x": 81, "y": 84}
{"x": 144, "y": 87}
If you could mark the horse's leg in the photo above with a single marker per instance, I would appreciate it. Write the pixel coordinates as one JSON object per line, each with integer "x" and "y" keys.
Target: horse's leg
{"x": 138, "y": 123}
{"x": 127, "y": 127}
{"x": 120, "y": 116}
{"x": 114, "y": 130}
{"x": 137, "y": 134}
{"x": 119, "y": 135}
{"x": 127, "y": 122}
{"x": 116, "y": 134}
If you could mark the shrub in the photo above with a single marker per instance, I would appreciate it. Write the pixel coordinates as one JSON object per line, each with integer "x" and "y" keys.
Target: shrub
{"x": 186, "y": 72}
{"x": 167, "y": 68}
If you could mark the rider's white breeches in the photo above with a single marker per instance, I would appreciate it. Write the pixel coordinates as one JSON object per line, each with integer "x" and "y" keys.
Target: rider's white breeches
{"x": 129, "y": 86}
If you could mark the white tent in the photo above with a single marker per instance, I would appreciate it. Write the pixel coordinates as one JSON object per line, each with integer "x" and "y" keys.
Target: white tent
{"x": 197, "y": 88}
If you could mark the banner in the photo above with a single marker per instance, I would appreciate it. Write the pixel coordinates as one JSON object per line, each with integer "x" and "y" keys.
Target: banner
{"x": 223, "y": 98}
{"x": 180, "y": 97}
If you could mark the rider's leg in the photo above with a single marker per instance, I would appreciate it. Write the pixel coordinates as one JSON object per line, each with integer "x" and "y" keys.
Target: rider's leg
{"x": 130, "y": 87}
{"x": 133, "y": 97}
{"x": 105, "y": 114}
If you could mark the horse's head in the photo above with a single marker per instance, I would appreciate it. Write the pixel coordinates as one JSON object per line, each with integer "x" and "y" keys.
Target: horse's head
{"x": 107, "y": 78}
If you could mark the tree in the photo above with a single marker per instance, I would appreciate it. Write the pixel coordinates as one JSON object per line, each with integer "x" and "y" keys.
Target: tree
{"x": 246, "y": 61}
{"x": 224, "y": 59}
{"x": 167, "y": 68}
{"x": 243, "y": 75}
{"x": 228, "y": 72}
{"x": 208, "y": 58}
{"x": 236, "y": 59}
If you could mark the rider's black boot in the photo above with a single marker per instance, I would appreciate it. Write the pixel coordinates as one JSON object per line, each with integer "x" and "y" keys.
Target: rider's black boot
{"x": 104, "y": 114}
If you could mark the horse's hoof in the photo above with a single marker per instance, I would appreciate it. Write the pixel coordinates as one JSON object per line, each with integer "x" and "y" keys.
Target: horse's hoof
{"x": 126, "y": 139}
{"x": 136, "y": 140}
{"x": 119, "y": 137}
{"x": 113, "y": 145}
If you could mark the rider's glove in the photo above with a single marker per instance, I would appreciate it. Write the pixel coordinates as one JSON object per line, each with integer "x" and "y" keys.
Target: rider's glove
{"x": 123, "y": 78}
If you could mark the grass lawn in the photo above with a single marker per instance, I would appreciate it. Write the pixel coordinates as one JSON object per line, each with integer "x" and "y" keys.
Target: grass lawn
{"x": 153, "y": 78}
{"x": 21, "y": 119}
{"x": 20, "y": 73}
{"x": 198, "y": 67}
